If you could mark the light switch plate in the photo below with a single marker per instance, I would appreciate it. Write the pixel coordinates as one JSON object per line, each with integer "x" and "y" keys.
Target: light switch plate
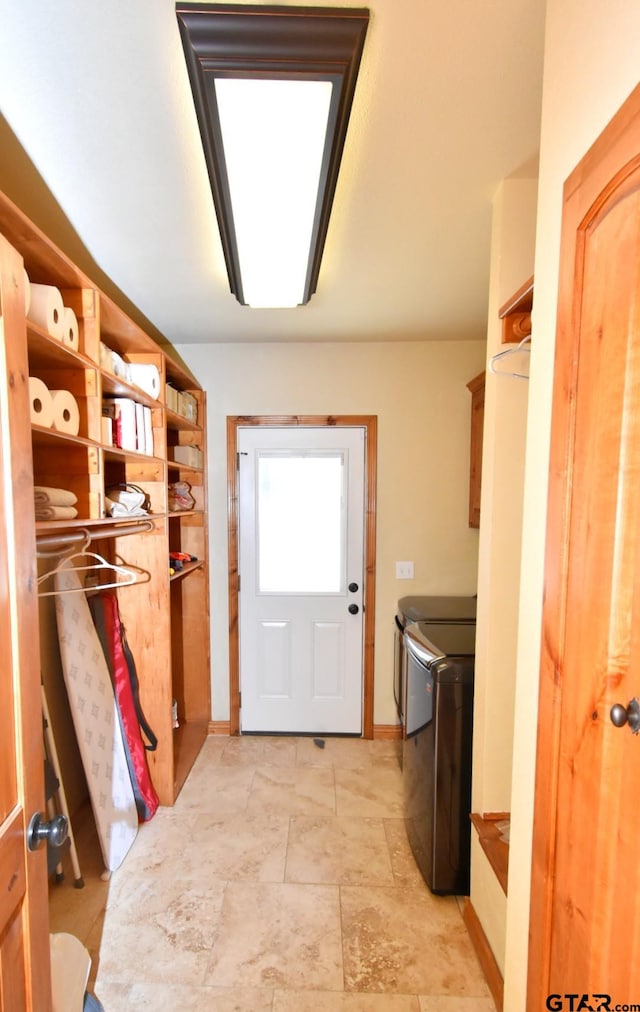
{"x": 404, "y": 570}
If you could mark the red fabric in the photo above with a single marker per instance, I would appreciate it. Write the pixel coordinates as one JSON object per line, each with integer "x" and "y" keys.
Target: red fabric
{"x": 126, "y": 705}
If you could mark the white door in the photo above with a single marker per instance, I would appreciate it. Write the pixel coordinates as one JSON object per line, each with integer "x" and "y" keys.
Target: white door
{"x": 301, "y": 535}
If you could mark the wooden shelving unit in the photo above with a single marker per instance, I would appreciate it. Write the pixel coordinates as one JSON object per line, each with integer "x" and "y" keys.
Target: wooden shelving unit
{"x": 166, "y": 620}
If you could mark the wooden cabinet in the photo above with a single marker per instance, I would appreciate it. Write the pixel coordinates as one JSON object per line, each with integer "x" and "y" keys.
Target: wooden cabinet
{"x": 476, "y": 388}
{"x": 166, "y": 617}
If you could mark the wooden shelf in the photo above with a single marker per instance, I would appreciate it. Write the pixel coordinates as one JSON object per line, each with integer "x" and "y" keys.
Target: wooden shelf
{"x": 114, "y": 386}
{"x": 176, "y": 421}
{"x": 496, "y": 849}
{"x": 187, "y": 567}
{"x": 172, "y": 652}
{"x": 516, "y": 314}
{"x": 46, "y": 352}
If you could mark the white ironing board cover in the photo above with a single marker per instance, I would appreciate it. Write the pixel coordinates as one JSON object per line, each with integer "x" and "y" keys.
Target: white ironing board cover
{"x": 96, "y": 721}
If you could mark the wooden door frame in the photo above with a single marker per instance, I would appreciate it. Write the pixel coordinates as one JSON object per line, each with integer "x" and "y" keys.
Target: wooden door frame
{"x": 587, "y": 188}
{"x": 370, "y": 424}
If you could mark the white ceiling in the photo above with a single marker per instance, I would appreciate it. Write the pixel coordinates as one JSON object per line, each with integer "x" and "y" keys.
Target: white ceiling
{"x": 447, "y": 104}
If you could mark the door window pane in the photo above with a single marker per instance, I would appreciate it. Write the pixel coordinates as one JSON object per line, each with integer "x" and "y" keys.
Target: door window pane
{"x": 300, "y": 523}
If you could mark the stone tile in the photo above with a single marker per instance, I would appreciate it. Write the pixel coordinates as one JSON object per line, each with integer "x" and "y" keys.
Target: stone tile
{"x": 284, "y": 936}
{"x": 375, "y": 791}
{"x": 293, "y": 791}
{"x": 159, "y": 928}
{"x": 332, "y": 1001}
{"x": 160, "y": 843}
{"x": 114, "y": 997}
{"x": 348, "y": 753}
{"x": 405, "y": 869}
{"x": 407, "y": 941}
{"x": 168, "y": 998}
{"x": 216, "y": 789}
{"x": 243, "y": 749}
{"x": 260, "y": 750}
{"x": 338, "y": 850}
{"x": 211, "y": 751}
{"x": 199, "y": 916}
{"x": 211, "y": 847}
{"x": 242, "y": 845}
{"x": 280, "y": 751}
{"x": 443, "y": 1003}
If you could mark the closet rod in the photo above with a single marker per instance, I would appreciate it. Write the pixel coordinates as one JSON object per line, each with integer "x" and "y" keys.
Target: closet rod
{"x": 85, "y": 536}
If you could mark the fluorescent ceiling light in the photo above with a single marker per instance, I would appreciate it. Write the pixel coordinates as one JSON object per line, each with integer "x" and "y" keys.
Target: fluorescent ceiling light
{"x": 273, "y": 88}
{"x": 273, "y": 134}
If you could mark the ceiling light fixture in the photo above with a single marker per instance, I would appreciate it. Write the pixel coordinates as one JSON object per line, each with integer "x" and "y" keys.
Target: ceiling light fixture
{"x": 273, "y": 88}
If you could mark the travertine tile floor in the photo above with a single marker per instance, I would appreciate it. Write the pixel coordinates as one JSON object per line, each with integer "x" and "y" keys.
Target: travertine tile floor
{"x": 281, "y": 880}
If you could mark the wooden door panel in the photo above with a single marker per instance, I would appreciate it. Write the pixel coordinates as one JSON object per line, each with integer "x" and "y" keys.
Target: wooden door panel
{"x": 600, "y": 580}
{"x": 585, "y": 928}
{"x": 24, "y": 919}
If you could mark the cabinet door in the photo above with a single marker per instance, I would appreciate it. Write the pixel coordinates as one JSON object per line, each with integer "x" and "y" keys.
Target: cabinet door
{"x": 24, "y": 917}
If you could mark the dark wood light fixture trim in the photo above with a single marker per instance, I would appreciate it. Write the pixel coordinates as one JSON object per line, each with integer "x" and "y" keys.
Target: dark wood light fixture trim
{"x": 232, "y": 40}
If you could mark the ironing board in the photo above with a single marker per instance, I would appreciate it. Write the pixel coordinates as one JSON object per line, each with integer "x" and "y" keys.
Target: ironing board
{"x": 96, "y": 721}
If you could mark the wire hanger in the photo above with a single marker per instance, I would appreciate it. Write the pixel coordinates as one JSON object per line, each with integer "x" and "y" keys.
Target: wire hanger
{"x": 129, "y": 575}
{"x": 524, "y": 346}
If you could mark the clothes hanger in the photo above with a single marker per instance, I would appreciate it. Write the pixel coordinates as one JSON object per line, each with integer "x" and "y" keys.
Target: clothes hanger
{"x": 521, "y": 347}
{"x": 128, "y": 575}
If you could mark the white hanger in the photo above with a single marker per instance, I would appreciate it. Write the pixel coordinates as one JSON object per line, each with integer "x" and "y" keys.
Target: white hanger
{"x": 129, "y": 575}
{"x": 521, "y": 347}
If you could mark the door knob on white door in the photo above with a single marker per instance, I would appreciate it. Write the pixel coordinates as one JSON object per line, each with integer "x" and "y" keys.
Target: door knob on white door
{"x": 630, "y": 715}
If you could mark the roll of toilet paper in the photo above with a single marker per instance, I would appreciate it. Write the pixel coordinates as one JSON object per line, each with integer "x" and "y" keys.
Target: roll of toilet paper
{"x": 66, "y": 414}
{"x": 27, "y": 293}
{"x": 46, "y": 309}
{"x": 70, "y": 330}
{"x": 41, "y": 403}
{"x": 145, "y": 376}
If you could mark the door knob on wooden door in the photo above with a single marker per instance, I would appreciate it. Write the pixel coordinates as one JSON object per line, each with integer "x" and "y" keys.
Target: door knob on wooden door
{"x": 54, "y": 832}
{"x": 621, "y": 715}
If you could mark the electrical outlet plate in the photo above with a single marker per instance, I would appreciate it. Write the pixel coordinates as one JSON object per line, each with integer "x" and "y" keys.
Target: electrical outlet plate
{"x": 404, "y": 570}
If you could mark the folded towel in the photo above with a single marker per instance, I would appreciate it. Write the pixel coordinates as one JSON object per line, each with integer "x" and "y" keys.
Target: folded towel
{"x": 55, "y": 512}
{"x": 45, "y": 496}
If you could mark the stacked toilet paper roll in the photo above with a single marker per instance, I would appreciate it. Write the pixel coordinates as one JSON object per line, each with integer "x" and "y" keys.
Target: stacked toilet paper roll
{"x": 46, "y": 309}
{"x": 44, "y": 306}
{"x": 146, "y": 377}
{"x": 70, "y": 332}
{"x": 66, "y": 414}
{"x": 41, "y": 403}
{"x": 53, "y": 409}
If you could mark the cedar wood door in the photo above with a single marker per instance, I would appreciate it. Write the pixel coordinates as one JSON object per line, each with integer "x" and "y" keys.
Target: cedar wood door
{"x": 585, "y": 900}
{"x": 24, "y": 918}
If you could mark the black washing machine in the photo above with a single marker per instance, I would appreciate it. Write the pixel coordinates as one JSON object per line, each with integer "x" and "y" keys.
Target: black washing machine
{"x": 443, "y": 610}
{"x": 438, "y": 677}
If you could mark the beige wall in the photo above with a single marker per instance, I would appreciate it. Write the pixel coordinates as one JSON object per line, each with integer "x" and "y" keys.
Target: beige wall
{"x": 418, "y": 391}
{"x": 592, "y": 61}
{"x": 512, "y": 253}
